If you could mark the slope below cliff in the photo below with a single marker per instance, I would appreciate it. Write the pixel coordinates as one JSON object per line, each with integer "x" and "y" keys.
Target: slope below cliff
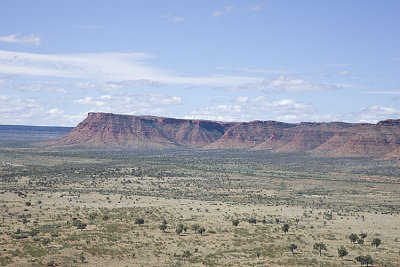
{"x": 335, "y": 139}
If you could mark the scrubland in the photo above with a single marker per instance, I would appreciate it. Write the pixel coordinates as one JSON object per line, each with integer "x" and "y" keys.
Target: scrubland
{"x": 195, "y": 208}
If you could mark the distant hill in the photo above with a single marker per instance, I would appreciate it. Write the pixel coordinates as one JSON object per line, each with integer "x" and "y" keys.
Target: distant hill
{"x": 336, "y": 139}
{"x": 11, "y": 135}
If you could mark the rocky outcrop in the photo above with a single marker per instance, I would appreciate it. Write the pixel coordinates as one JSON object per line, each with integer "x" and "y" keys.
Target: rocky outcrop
{"x": 336, "y": 139}
{"x": 113, "y": 130}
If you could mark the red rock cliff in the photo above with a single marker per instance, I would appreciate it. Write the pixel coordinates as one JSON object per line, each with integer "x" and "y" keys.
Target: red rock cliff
{"x": 328, "y": 139}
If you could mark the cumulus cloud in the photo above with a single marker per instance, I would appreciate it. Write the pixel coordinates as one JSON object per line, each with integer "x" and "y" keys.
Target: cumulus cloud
{"x": 54, "y": 115}
{"x": 30, "y": 111}
{"x": 14, "y": 110}
{"x": 105, "y": 67}
{"x": 21, "y": 39}
{"x": 283, "y": 83}
{"x": 245, "y": 109}
{"x": 375, "y": 113}
{"x": 129, "y": 104}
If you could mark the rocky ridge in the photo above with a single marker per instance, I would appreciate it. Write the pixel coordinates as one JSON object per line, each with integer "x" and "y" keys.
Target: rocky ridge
{"x": 336, "y": 139}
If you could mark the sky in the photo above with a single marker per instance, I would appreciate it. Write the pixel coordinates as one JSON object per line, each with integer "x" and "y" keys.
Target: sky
{"x": 239, "y": 60}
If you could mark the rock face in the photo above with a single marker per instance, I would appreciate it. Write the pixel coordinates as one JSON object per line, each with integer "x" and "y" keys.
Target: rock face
{"x": 325, "y": 139}
{"x": 113, "y": 130}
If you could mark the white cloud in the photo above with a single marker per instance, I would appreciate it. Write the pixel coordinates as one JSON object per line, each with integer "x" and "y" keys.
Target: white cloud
{"x": 172, "y": 18}
{"x": 228, "y": 9}
{"x": 245, "y": 109}
{"x": 343, "y": 72}
{"x": 337, "y": 65}
{"x": 29, "y": 111}
{"x": 21, "y": 39}
{"x": 111, "y": 85}
{"x": 129, "y": 104}
{"x": 37, "y": 87}
{"x": 17, "y": 110}
{"x": 88, "y": 100}
{"x": 393, "y": 92}
{"x": 242, "y": 99}
{"x": 256, "y": 7}
{"x": 224, "y": 11}
{"x": 103, "y": 67}
{"x": 55, "y": 112}
{"x": 375, "y": 113}
{"x": 55, "y": 115}
{"x": 249, "y": 70}
{"x": 285, "y": 84}
{"x": 92, "y": 27}
{"x": 115, "y": 85}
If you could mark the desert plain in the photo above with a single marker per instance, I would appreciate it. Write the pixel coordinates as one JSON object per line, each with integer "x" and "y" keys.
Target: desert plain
{"x": 189, "y": 207}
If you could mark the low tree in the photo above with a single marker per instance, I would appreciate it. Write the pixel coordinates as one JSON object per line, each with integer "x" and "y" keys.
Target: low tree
{"x": 78, "y": 223}
{"x": 178, "y": 230}
{"x": 342, "y": 252}
{"x": 360, "y": 259}
{"x": 376, "y": 242}
{"x": 45, "y": 241}
{"x": 82, "y": 257}
{"x": 201, "y": 230}
{"x": 368, "y": 260}
{"x": 163, "y": 227}
{"x": 34, "y": 232}
{"x": 353, "y": 238}
{"x": 292, "y": 247}
{"x": 235, "y": 222}
{"x": 139, "y": 221}
{"x": 81, "y": 225}
{"x": 195, "y": 227}
{"x": 285, "y": 228}
{"x": 365, "y": 260}
{"x": 253, "y": 220}
{"x": 363, "y": 235}
{"x": 360, "y": 241}
{"x": 264, "y": 221}
{"x": 319, "y": 246}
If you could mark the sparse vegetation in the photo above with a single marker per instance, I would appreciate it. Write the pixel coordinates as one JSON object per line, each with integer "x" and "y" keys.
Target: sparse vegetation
{"x": 139, "y": 221}
{"x": 353, "y": 238}
{"x": 376, "y": 242}
{"x": 136, "y": 208}
{"x": 365, "y": 260}
{"x": 285, "y": 228}
{"x": 319, "y": 247}
{"x": 342, "y": 252}
{"x": 292, "y": 247}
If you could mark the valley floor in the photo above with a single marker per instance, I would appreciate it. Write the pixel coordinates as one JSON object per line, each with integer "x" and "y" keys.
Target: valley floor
{"x": 84, "y": 209}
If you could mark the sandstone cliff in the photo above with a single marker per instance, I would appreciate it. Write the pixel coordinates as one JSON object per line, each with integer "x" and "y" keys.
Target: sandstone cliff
{"x": 325, "y": 139}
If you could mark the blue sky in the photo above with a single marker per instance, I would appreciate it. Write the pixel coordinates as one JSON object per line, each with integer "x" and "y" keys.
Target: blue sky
{"x": 223, "y": 60}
